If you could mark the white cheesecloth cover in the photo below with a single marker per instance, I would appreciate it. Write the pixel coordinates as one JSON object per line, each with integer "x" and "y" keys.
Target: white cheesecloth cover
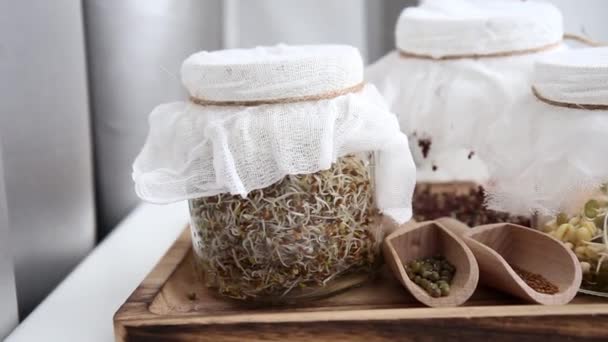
{"x": 441, "y": 93}
{"x": 552, "y": 158}
{"x": 204, "y": 150}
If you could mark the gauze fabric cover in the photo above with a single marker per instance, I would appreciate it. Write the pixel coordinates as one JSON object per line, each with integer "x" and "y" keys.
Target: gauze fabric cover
{"x": 440, "y": 28}
{"x": 266, "y": 73}
{"x": 550, "y": 158}
{"x": 452, "y": 102}
{"x": 194, "y": 151}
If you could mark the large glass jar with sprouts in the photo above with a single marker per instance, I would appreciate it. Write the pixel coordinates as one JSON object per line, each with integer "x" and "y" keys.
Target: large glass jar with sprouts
{"x": 305, "y": 236}
{"x": 293, "y": 167}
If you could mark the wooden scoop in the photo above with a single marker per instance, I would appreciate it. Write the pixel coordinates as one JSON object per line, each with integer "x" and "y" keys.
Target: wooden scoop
{"x": 498, "y": 246}
{"x": 420, "y": 240}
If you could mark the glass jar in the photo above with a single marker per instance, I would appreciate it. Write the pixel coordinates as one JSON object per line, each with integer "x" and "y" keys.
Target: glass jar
{"x": 273, "y": 220}
{"x": 447, "y": 94}
{"x": 585, "y": 232}
{"x": 304, "y": 237}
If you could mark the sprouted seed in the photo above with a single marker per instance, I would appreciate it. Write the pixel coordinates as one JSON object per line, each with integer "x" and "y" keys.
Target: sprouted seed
{"x": 586, "y": 233}
{"x": 300, "y": 233}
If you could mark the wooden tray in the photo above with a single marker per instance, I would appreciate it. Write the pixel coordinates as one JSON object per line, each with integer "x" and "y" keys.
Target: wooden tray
{"x": 169, "y": 305}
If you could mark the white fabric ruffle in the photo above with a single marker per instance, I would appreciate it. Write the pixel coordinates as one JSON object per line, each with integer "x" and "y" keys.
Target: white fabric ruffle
{"x": 452, "y": 103}
{"x": 194, "y": 151}
{"x": 548, "y": 158}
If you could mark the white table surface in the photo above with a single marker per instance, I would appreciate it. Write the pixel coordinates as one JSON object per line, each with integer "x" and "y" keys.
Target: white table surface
{"x": 82, "y": 306}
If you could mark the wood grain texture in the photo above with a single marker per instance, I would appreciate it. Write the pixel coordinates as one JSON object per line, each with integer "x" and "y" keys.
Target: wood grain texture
{"x": 170, "y": 305}
{"x": 499, "y": 246}
{"x": 427, "y": 239}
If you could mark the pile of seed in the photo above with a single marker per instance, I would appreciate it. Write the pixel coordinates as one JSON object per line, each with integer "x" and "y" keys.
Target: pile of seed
{"x": 536, "y": 281}
{"x": 433, "y": 274}
{"x": 467, "y": 207}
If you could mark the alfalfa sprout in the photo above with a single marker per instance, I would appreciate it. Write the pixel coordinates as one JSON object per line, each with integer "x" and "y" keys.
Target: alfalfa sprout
{"x": 297, "y": 234}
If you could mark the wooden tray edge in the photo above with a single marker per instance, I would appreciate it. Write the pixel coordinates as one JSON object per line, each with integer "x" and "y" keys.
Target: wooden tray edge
{"x": 135, "y": 314}
{"x": 141, "y": 298}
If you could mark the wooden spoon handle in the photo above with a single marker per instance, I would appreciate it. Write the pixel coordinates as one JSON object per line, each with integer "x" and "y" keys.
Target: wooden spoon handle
{"x": 455, "y": 226}
{"x": 389, "y": 226}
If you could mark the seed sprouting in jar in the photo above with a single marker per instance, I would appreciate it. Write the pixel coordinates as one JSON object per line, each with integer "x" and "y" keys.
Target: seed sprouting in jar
{"x": 586, "y": 234}
{"x": 301, "y": 232}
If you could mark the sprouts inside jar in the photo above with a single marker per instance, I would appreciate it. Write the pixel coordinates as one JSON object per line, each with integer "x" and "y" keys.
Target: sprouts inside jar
{"x": 300, "y": 233}
{"x": 586, "y": 233}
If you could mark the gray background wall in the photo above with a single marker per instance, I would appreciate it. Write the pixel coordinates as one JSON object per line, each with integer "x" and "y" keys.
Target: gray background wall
{"x": 8, "y": 296}
{"x": 135, "y": 50}
{"x": 585, "y": 17}
{"x": 44, "y": 125}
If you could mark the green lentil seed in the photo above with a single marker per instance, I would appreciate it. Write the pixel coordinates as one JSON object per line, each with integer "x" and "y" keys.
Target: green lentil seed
{"x": 433, "y": 274}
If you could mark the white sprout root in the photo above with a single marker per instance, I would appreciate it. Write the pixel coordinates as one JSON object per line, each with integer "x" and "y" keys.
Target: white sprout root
{"x": 295, "y": 235}
{"x": 591, "y": 245}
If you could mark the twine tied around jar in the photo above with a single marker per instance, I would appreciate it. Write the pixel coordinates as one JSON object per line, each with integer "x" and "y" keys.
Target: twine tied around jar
{"x": 583, "y": 40}
{"x": 567, "y": 104}
{"x": 317, "y": 97}
{"x": 566, "y": 36}
{"x": 584, "y": 106}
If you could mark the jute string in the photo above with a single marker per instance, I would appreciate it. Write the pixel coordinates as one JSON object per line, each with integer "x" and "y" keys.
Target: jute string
{"x": 583, "y": 40}
{"x": 325, "y": 96}
{"x": 568, "y": 105}
{"x": 406, "y": 54}
{"x": 567, "y": 36}
{"x": 586, "y": 41}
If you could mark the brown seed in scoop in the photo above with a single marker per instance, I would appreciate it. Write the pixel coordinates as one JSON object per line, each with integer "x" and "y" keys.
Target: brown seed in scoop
{"x": 536, "y": 281}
